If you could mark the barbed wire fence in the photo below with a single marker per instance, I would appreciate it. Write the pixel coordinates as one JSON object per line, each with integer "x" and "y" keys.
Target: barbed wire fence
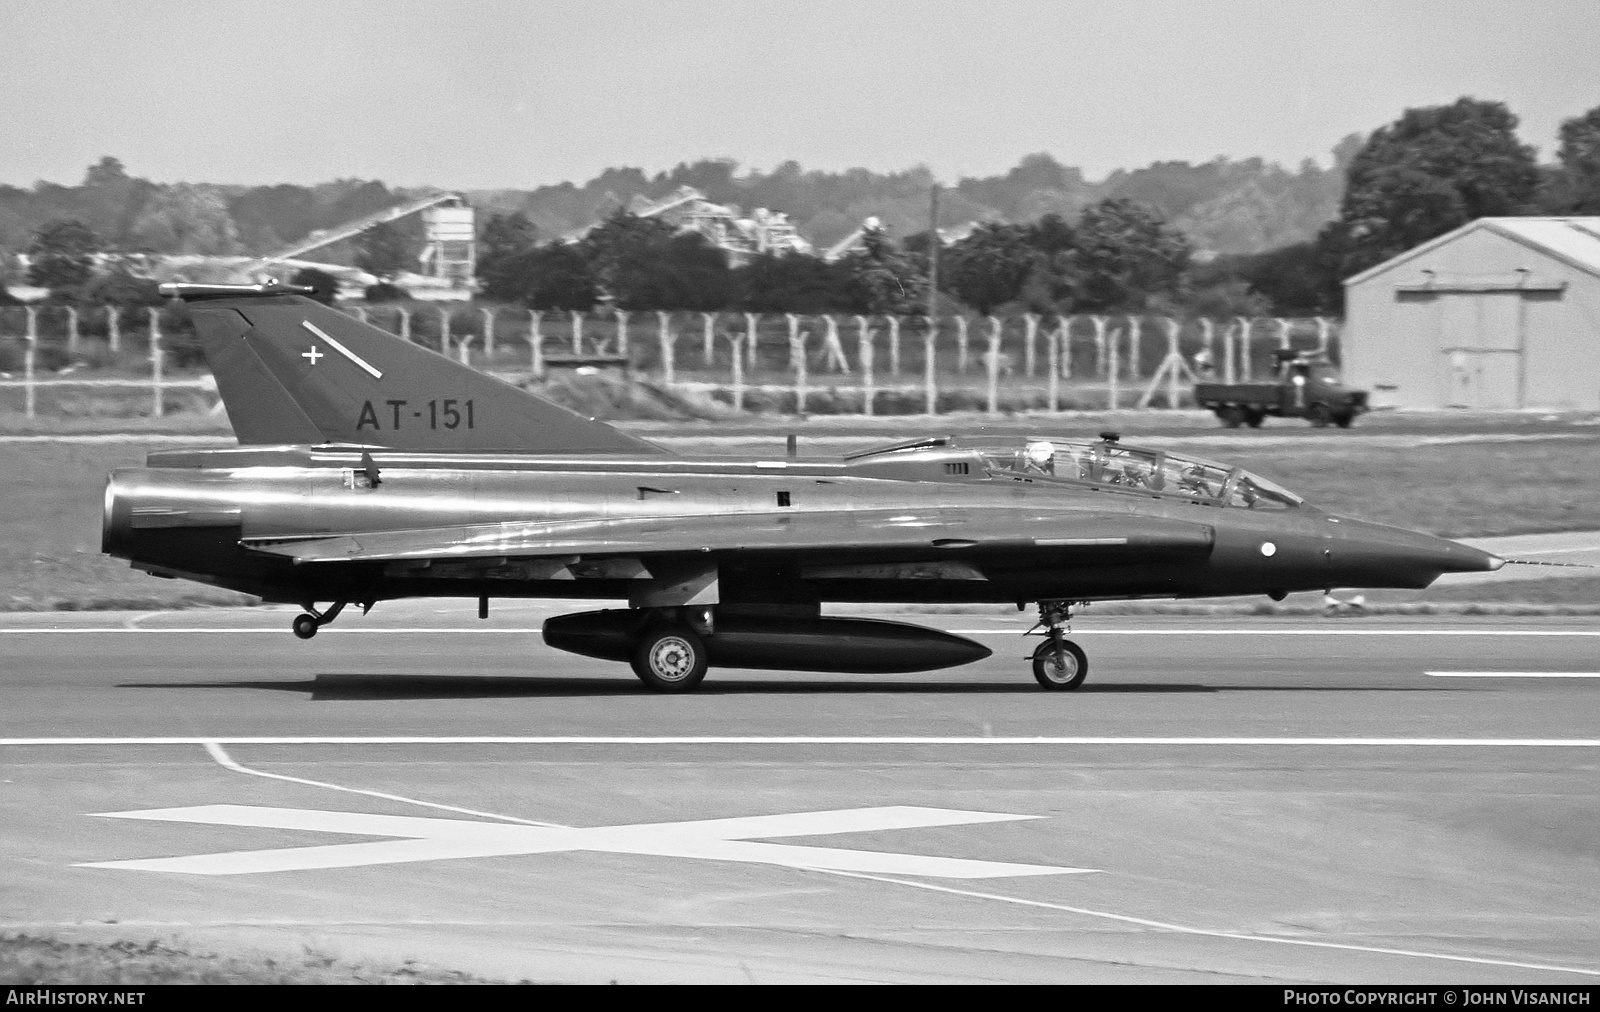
{"x": 789, "y": 363}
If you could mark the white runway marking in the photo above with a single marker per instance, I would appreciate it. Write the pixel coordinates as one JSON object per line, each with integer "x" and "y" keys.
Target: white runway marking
{"x": 706, "y": 839}
{"x": 1512, "y": 674}
{"x": 1362, "y": 742}
{"x": 216, "y": 752}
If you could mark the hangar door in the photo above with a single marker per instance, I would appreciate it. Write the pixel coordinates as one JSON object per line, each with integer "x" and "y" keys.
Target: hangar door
{"x": 1476, "y": 338}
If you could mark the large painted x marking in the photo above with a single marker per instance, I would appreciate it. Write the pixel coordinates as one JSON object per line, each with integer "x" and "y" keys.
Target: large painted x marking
{"x": 419, "y": 839}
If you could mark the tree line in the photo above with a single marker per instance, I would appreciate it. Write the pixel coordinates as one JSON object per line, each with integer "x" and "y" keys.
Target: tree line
{"x": 1051, "y": 241}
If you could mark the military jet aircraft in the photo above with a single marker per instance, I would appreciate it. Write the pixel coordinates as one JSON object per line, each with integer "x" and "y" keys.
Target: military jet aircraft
{"x": 371, "y": 469}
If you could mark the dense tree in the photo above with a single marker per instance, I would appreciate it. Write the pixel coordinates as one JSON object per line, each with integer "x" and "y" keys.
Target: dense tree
{"x": 1430, "y": 171}
{"x": 1123, "y": 254}
{"x": 269, "y": 217}
{"x": 991, "y": 265}
{"x": 185, "y": 218}
{"x": 108, "y": 171}
{"x": 61, "y": 256}
{"x": 882, "y": 279}
{"x": 383, "y": 250}
{"x": 793, "y": 283}
{"x": 118, "y": 287}
{"x": 1295, "y": 280}
{"x": 1574, "y": 186}
{"x": 644, "y": 263}
{"x": 504, "y": 238}
{"x": 555, "y": 276}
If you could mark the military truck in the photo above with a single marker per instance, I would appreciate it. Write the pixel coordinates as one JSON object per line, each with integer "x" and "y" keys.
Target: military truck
{"x": 1307, "y": 385}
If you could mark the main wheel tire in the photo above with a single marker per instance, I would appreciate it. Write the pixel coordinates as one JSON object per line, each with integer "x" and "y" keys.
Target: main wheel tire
{"x": 1062, "y": 671}
{"x": 1343, "y": 419}
{"x": 1231, "y": 417}
{"x": 670, "y": 659}
{"x": 1321, "y": 415}
{"x": 306, "y": 626}
{"x": 1253, "y": 418}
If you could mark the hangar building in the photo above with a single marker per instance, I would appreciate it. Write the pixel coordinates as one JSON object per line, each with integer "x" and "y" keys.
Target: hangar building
{"x": 1500, "y": 313}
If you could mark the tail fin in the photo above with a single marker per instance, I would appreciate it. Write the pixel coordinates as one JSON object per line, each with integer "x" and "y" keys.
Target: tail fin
{"x": 294, "y": 371}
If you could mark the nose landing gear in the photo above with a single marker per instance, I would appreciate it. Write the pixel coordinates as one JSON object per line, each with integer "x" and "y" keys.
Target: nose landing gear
{"x": 306, "y": 626}
{"x": 1058, "y": 663}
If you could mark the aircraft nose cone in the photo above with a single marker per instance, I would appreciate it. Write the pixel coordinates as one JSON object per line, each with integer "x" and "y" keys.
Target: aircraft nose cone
{"x": 1392, "y": 557}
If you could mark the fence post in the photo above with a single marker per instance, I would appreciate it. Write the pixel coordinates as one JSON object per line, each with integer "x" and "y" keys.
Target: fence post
{"x": 444, "y": 329}
{"x": 1135, "y": 336}
{"x": 1174, "y": 361}
{"x": 1246, "y": 324}
{"x": 72, "y": 331}
{"x": 664, "y": 336}
{"x": 1113, "y": 390}
{"x": 864, "y": 352}
{"x": 464, "y": 349}
{"x": 930, "y": 375}
{"x": 536, "y": 342}
{"x": 1207, "y": 338}
{"x": 797, "y": 362}
{"x": 708, "y": 350}
{"x": 361, "y": 313}
{"x": 1053, "y": 360}
{"x": 32, "y": 339}
{"x": 577, "y": 332}
{"x": 1230, "y": 371}
{"x": 738, "y": 373}
{"x": 1285, "y": 331}
{"x": 993, "y": 361}
{"x": 894, "y": 345}
{"x": 752, "y": 324}
{"x": 961, "y": 345}
{"x": 1099, "y": 343}
{"x": 488, "y": 335}
{"x": 833, "y": 349}
{"x": 1064, "y": 330}
{"x": 405, "y": 323}
{"x": 622, "y": 331}
{"x": 157, "y": 393}
{"x": 1030, "y": 331}
{"x": 114, "y": 328}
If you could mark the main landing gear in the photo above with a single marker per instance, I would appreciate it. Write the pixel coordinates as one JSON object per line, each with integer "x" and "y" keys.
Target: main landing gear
{"x": 670, "y": 658}
{"x": 306, "y": 626}
{"x": 1058, "y": 663}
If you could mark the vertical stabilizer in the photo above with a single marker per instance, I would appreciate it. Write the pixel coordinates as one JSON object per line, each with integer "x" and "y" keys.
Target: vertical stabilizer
{"x": 295, "y": 371}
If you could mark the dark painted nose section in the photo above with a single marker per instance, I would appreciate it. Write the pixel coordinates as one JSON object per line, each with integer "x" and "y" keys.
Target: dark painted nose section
{"x": 1374, "y": 555}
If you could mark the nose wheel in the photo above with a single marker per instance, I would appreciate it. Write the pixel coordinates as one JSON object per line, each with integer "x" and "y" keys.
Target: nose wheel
{"x": 306, "y": 626}
{"x": 1058, "y": 663}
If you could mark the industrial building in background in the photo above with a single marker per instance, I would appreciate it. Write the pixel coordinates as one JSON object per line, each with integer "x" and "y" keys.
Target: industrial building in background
{"x": 1500, "y": 313}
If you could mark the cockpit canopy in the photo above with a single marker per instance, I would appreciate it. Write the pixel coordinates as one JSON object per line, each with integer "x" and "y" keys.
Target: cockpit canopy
{"x": 1109, "y": 463}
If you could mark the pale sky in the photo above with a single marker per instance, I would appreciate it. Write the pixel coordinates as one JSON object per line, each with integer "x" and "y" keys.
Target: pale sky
{"x": 491, "y": 93}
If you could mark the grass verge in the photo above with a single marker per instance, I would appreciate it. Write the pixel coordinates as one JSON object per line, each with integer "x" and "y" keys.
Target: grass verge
{"x": 28, "y": 960}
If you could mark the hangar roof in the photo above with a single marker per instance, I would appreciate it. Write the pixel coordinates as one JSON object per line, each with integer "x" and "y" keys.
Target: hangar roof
{"x": 1574, "y": 241}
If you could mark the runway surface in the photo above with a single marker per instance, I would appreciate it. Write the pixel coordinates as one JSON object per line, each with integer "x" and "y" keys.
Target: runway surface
{"x": 1225, "y": 800}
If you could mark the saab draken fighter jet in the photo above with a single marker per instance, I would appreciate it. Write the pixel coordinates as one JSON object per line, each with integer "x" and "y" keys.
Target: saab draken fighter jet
{"x": 371, "y": 469}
